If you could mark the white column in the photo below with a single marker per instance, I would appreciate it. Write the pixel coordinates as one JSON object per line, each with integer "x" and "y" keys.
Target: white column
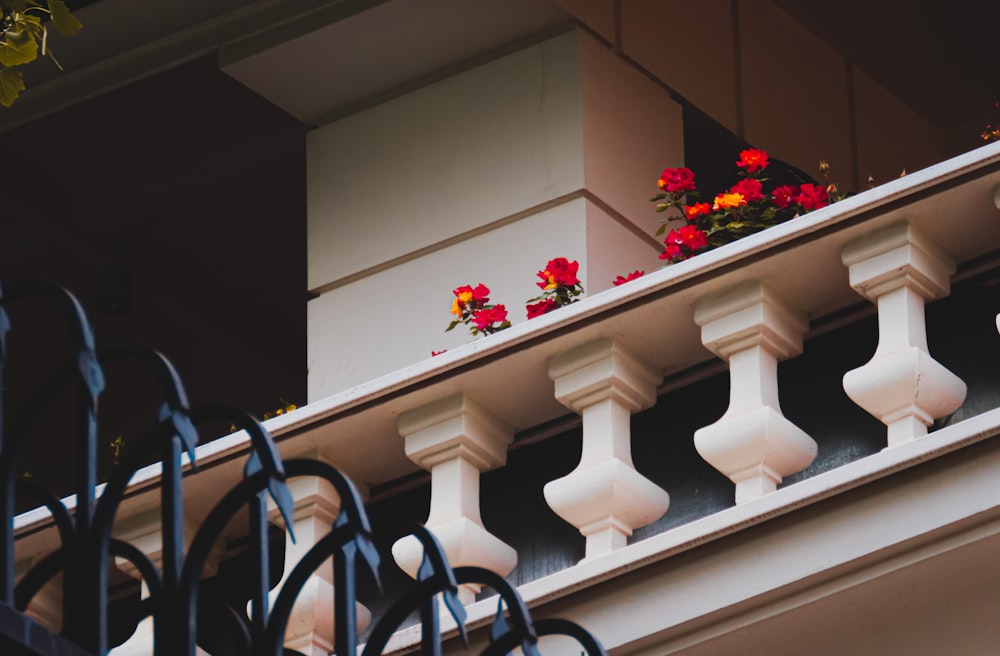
{"x": 605, "y": 497}
{"x": 456, "y": 439}
{"x": 310, "y": 626}
{"x": 752, "y": 443}
{"x": 899, "y": 269}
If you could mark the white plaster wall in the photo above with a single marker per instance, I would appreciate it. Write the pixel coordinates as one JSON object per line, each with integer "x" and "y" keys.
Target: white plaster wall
{"x": 613, "y": 250}
{"x": 483, "y": 177}
{"x": 632, "y": 130}
{"x": 443, "y": 160}
{"x": 396, "y": 317}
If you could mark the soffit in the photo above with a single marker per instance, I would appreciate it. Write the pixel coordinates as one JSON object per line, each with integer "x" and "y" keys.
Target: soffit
{"x": 388, "y": 49}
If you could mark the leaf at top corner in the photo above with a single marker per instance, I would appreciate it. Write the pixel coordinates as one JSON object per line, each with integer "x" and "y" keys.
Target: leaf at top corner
{"x": 64, "y": 22}
{"x": 18, "y": 47}
{"x": 11, "y": 84}
{"x": 16, "y": 5}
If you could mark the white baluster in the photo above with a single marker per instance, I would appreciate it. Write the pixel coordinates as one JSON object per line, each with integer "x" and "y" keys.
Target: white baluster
{"x": 899, "y": 269}
{"x": 605, "y": 497}
{"x": 310, "y": 626}
{"x": 456, "y": 439}
{"x": 753, "y": 443}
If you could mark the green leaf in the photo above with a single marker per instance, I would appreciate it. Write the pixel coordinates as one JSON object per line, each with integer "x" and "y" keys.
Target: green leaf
{"x": 657, "y": 197}
{"x": 18, "y": 47}
{"x": 64, "y": 22}
{"x": 11, "y": 84}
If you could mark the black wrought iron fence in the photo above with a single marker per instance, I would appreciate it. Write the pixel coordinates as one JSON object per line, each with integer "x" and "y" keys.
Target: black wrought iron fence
{"x": 86, "y": 547}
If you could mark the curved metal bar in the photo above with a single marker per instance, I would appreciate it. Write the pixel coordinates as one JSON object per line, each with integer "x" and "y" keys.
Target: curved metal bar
{"x": 41, "y": 573}
{"x": 262, "y": 447}
{"x": 435, "y": 576}
{"x": 60, "y": 515}
{"x": 80, "y": 626}
{"x": 505, "y": 643}
{"x": 166, "y": 375}
{"x": 263, "y": 454}
{"x": 296, "y": 580}
{"x": 407, "y": 603}
{"x": 518, "y": 610}
{"x": 351, "y": 528}
{"x": 238, "y": 496}
{"x": 169, "y": 381}
{"x": 147, "y": 570}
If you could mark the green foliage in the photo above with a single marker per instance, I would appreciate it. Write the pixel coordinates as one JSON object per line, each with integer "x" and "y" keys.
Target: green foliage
{"x": 24, "y": 36}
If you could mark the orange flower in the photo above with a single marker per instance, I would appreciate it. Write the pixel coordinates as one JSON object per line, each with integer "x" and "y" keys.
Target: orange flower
{"x": 725, "y": 201}
{"x": 691, "y": 211}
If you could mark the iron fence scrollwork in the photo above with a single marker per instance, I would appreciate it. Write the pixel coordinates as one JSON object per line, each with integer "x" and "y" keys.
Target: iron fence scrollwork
{"x": 86, "y": 546}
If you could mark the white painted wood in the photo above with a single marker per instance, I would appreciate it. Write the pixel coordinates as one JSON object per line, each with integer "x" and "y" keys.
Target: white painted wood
{"x": 753, "y": 444}
{"x": 605, "y": 497}
{"x": 456, "y": 439}
{"x": 899, "y": 268}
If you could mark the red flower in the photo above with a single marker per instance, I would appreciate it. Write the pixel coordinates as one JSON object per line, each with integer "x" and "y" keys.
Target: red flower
{"x": 675, "y": 181}
{"x": 812, "y": 197}
{"x": 486, "y": 317}
{"x": 692, "y": 211}
{"x": 692, "y": 237}
{"x": 621, "y": 280}
{"x": 785, "y": 195}
{"x": 753, "y": 160}
{"x": 466, "y": 295}
{"x": 672, "y": 251}
{"x": 542, "y": 307}
{"x": 559, "y": 272}
{"x": 689, "y": 239}
{"x": 750, "y": 189}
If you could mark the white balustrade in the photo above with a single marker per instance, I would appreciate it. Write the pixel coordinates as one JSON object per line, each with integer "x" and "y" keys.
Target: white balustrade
{"x": 605, "y": 497}
{"x": 899, "y": 268}
{"x": 456, "y": 439}
{"x": 753, "y": 443}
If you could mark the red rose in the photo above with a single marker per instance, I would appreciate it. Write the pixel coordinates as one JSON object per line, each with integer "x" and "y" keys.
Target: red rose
{"x": 692, "y": 237}
{"x": 812, "y": 197}
{"x": 542, "y": 307}
{"x": 671, "y": 251}
{"x": 785, "y": 195}
{"x": 621, "y": 280}
{"x": 750, "y": 189}
{"x": 676, "y": 181}
{"x": 559, "y": 272}
{"x": 486, "y": 317}
{"x": 753, "y": 160}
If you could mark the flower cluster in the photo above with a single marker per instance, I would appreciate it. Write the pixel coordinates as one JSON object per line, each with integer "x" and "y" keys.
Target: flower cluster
{"x": 992, "y": 132}
{"x": 748, "y": 206}
{"x": 560, "y": 286}
{"x": 471, "y": 307}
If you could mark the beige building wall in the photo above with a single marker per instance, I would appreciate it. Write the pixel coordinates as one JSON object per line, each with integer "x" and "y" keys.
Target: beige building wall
{"x": 770, "y": 81}
{"x": 422, "y": 193}
{"x": 552, "y": 151}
